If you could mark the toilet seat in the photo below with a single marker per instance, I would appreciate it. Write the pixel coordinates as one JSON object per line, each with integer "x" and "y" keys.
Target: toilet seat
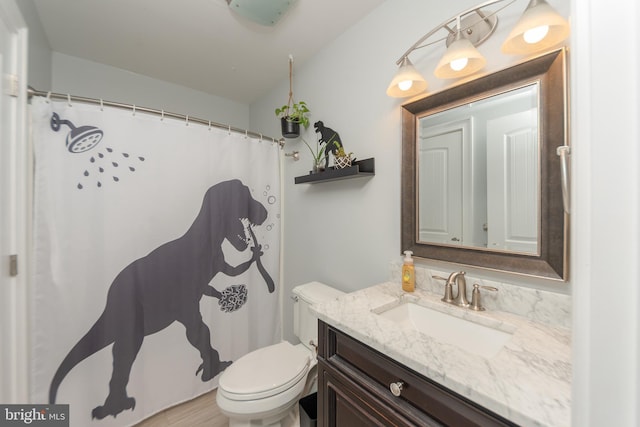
{"x": 265, "y": 372}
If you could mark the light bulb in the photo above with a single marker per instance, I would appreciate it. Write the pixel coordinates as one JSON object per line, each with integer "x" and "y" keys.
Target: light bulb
{"x": 458, "y": 64}
{"x": 536, "y": 34}
{"x": 405, "y": 85}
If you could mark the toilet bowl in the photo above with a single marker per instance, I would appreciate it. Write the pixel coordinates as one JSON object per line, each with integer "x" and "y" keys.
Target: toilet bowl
{"x": 263, "y": 387}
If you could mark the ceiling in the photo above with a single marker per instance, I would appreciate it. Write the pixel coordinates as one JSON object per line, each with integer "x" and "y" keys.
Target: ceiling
{"x": 200, "y": 44}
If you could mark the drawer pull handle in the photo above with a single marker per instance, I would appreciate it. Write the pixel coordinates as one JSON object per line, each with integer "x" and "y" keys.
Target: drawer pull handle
{"x": 396, "y": 388}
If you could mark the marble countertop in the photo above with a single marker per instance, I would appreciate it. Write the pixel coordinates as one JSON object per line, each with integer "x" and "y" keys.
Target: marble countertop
{"x": 528, "y": 381}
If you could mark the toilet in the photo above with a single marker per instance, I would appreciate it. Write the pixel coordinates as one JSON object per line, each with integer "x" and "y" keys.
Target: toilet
{"x": 262, "y": 388}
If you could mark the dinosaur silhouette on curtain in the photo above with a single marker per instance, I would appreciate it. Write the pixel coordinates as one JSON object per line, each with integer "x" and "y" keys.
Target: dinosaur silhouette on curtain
{"x": 166, "y": 286}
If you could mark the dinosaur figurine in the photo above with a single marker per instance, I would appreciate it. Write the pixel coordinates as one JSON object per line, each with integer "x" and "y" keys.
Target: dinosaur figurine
{"x": 330, "y": 137}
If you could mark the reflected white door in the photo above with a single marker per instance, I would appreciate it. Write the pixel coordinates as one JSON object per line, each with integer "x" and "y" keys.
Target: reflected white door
{"x": 512, "y": 182}
{"x": 440, "y": 184}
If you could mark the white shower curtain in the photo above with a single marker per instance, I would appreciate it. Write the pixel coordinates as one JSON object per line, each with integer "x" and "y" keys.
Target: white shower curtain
{"x": 156, "y": 258}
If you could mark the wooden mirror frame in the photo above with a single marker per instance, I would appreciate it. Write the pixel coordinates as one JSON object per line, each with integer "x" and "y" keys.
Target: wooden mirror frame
{"x": 549, "y": 71}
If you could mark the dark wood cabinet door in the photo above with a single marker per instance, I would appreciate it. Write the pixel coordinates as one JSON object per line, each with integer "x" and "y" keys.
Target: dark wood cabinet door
{"x": 344, "y": 403}
{"x": 353, "y": 390}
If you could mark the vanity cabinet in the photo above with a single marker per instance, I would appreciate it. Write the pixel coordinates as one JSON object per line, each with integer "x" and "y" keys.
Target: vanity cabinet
{"x": 354, "y": 390}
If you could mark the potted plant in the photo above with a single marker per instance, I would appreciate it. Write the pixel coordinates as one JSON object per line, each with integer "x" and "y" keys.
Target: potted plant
{"x": 341, "y": 159}
{"x": 292, "y": 115}
{"x": 318, "y": 157}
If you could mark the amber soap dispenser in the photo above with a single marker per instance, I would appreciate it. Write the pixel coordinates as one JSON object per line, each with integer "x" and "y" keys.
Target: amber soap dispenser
{"x": 408, "y": 273}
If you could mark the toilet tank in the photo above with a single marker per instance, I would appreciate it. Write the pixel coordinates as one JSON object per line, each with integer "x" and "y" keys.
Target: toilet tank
{"x": 305, "y": 323}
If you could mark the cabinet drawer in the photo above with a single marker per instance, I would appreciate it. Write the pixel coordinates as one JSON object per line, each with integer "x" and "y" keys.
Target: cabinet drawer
{"x": 376, "y": 372}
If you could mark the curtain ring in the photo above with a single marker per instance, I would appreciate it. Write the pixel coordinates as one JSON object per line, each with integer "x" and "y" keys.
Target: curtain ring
{"x": 187, "y": 121}
{"x": 69, "y": 100}
{"x": 134, "y": 109}
{"x": 246, "y": 134}
{"x": 229, "y": 130}
{"x": 48, "y": 97}
{"x": 101, "y": 105}
{"x": 162, "y": 115}
{"x": 209, "y": 124}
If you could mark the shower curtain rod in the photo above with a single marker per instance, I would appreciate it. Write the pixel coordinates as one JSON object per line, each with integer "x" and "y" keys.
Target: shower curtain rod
{"x": 33, "y": 92}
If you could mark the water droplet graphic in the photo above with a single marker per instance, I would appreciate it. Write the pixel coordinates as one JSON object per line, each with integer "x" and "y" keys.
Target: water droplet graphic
{"x": 115, "y": 165}
{"x": 265, "y": 247}
{"x": 101, "y": 169}
{"x": 268, "y": 187}
{"x": 141, "y": 159}
{"x": 132, "y": 169}
{"x": 271, "y": 200}
{"x": 86, "y": 173}
{"x": 101, "y": 155}
{"x": 99, "y": 184}
{"x": 116, "y": 179}
{"x": 79, "y": 186}
{"x": 278, "y": 216}
{"x": 109, "y": 150}
{"x": 125, "y": 154}
{"x": 269, "y": 227}
{"x": 92, "y": 159}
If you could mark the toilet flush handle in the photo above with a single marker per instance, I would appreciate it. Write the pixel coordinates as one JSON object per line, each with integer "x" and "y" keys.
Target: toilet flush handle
{"x": 314, "y": 345}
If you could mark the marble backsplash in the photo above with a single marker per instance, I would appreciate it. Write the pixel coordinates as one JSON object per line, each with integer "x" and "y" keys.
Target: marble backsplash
{"x": 534, "y": 304}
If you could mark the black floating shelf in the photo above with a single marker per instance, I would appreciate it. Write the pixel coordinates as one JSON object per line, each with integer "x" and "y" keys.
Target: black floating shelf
{"x": 360, "y": 168}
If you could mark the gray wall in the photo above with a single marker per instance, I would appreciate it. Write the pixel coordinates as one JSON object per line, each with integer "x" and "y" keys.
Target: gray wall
{"x": 86, "y": 78}
{"x": 39, "y": 50}
{"x": 49, "y": 70}
{"x": 346, "y": 233}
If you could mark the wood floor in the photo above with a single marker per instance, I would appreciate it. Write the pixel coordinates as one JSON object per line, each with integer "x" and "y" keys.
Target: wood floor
{"x": 199, "y": 412}
{"x": 202, "y": 412}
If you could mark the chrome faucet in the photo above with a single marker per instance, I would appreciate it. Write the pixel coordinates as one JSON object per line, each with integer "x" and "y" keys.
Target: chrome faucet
{"x": 457, "y": 278}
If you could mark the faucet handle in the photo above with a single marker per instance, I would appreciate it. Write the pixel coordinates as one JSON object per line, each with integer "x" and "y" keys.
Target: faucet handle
{"x": 475, "y": 296}
{"x": 448, "y": 289}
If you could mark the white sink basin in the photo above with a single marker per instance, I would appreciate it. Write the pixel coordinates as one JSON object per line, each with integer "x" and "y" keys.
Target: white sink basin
{"x": 473, "y": 337}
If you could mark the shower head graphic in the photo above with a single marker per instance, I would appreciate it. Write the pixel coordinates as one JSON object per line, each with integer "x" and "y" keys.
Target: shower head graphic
{"x": 79, "y": 139}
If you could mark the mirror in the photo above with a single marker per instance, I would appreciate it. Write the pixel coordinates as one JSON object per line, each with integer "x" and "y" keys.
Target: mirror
{"x": 480, "y": 173}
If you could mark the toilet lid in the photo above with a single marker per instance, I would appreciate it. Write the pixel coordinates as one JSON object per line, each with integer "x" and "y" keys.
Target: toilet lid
{"x": 265, "y": 372}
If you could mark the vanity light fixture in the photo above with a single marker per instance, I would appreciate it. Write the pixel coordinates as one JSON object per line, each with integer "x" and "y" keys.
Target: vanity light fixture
{"x": 539, "y": 28}
{"x": 460, "y": 59}
{"x": 407, "y": 81}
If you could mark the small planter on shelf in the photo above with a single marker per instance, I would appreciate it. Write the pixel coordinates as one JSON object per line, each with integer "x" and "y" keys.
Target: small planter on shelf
{"x": 341, "y": 159}
{"x": 318, "y": 166}
{"x": 319, "y": 161}
{"x": 342, "y": 162}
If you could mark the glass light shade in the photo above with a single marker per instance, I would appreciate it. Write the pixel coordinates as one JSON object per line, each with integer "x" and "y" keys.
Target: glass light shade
{"x": 538, "y": 15}
{"x": 263, "y": 12}
{"x": 460, "y": 59}
{"x": 407, "y": 81}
